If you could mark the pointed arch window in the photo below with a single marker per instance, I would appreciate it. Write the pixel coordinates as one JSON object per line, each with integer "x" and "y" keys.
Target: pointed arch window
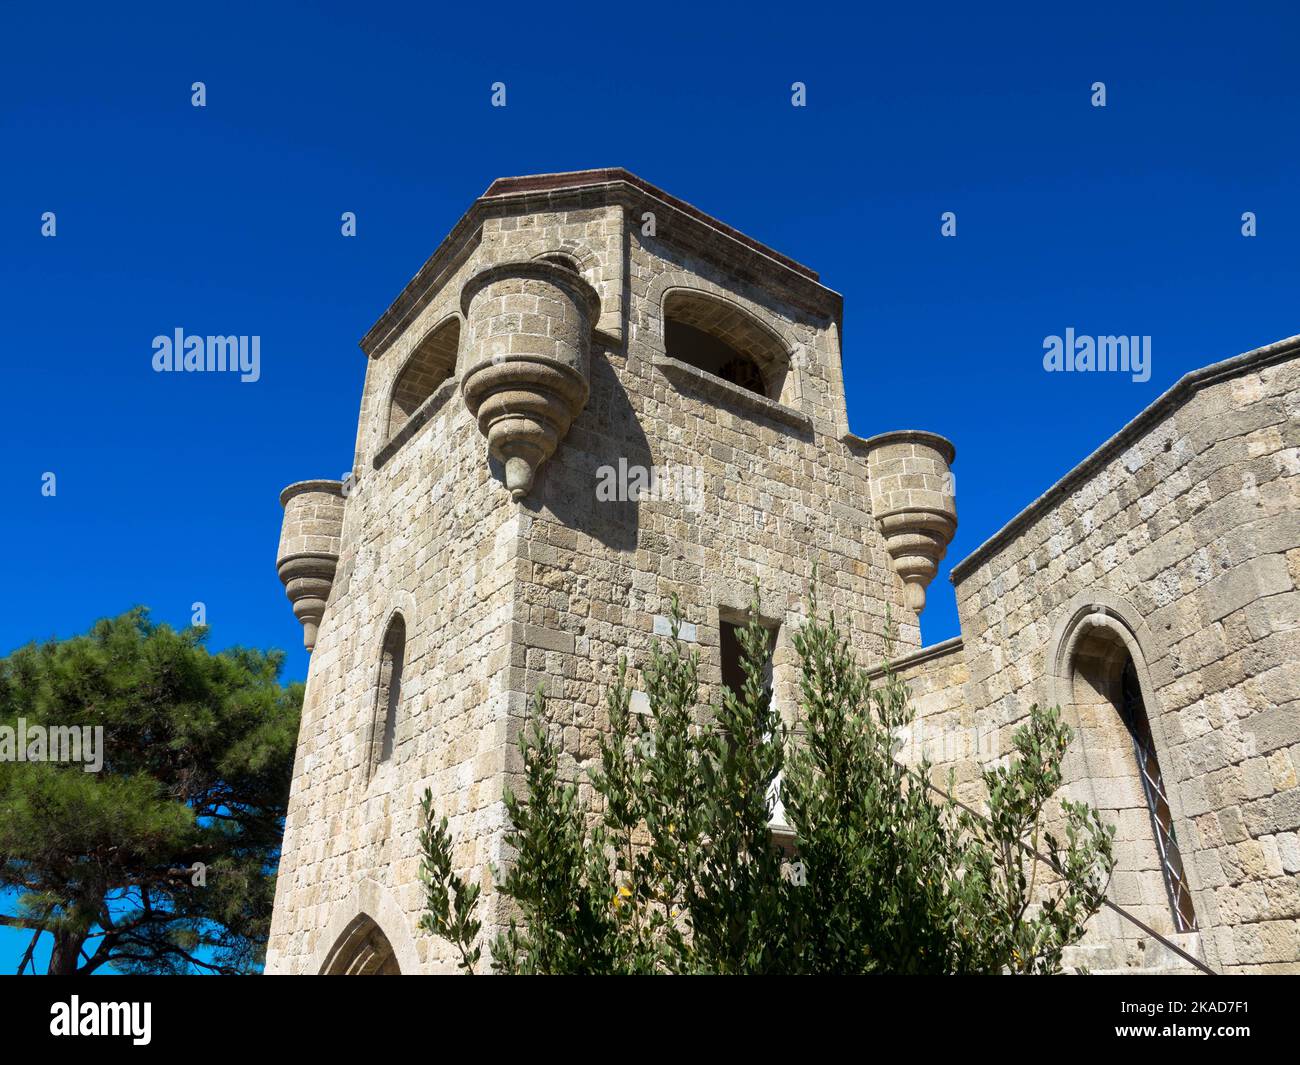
{"x": 388, "y": 696}
{"x": 1107, "y": 692}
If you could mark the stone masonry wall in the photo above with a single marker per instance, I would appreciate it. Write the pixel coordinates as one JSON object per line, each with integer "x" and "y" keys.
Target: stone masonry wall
{"x": 1175, "y": 545}
{"x": 426, "y": 534}
{"x": 944, "y": 728}
{"x": 778, "y": 494}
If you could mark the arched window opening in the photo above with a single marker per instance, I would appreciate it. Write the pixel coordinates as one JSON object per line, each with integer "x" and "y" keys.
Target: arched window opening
{"x": 1123, "y": 762}
{"x": 389, "y": 694}
{"x": 432, "y": 362}
{"x": 719, "y": 338}
{"x": 697, "y": 348}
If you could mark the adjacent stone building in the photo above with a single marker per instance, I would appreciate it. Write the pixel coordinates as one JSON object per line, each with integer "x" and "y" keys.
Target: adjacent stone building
{"x": 1152, "y": 594}
{"x": 593, "y": 397}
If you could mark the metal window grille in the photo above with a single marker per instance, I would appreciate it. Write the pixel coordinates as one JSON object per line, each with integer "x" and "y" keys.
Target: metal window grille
{"x": 1153, "y": 785}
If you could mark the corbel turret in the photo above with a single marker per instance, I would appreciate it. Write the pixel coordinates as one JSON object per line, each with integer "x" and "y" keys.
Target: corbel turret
{"x": 914, "y": 504}
{"x": 527, "y": 360}
{"x": 309, "y": 549}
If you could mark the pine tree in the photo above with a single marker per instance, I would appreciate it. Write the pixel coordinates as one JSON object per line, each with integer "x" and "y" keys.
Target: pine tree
{"x": 163, "y": 860}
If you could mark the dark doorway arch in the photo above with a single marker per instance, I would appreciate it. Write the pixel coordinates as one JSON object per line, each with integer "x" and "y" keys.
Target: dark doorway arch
{"x": 362, "y": 950}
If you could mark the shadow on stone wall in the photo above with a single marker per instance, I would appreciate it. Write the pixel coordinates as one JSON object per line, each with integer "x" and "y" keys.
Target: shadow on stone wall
{"x": 607, "y": 429}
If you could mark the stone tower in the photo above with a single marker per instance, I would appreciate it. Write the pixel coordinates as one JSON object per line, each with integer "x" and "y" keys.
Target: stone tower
{"x": 591, "y": 398}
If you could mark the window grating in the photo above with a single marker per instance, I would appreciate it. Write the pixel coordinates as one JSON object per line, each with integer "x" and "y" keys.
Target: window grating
{"x": 1153, "y": 786}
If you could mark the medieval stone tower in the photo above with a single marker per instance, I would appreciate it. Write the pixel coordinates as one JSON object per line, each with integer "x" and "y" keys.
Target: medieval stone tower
{"x": 569, "y": 323}
{"x": 593, "y": 397}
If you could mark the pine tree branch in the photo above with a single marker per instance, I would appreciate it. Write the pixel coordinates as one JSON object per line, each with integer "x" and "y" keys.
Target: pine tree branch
{"x": 27, "y": 955}
{"x": 21, "y": 922}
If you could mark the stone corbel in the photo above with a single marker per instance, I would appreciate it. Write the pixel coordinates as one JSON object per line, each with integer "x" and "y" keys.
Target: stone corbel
{"x": 309, "y": 549}
{"x": 527, "y": 359}
{"x": 914, "y": 503}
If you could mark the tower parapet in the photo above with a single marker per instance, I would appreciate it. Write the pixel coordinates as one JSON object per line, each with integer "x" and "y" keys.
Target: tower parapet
{"x": 309, "y": 549}
{"x": 914, "y": 503}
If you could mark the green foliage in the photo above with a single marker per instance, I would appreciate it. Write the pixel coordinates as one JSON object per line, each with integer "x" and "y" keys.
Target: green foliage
{"x": 197, "y": 758}
{"x": 674, "y": 867}
{"x": 881, "y": 859}
{"x": 560, "y": 879}
{"x": 1004, "y": 865}
{"x": 449, "y": 901}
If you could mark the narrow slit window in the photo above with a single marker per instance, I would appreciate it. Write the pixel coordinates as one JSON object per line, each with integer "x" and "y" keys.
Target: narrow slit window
{"x": 389, "y": 694}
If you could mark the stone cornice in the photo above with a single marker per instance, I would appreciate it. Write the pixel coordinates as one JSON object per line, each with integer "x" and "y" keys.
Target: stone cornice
{"x": 539, "y": 187}
{"x": 952, "y": 645}
{"x": 1185, "y": 388}
{"x": 690, "y": 228}
{"x": 298, "y": 487}
{"x": 905, "y": 436}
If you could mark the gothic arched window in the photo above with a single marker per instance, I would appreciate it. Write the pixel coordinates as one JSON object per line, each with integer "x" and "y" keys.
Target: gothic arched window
{"x": 1134, "y": 714}
{"x": 389, "y": 693}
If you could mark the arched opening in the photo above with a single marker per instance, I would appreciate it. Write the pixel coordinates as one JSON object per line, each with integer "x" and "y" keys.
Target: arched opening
{"x": 719, "y": 338}
{"x": 432, "y": 362}
{"x": 1125, "y": 769}
{"x": 388, "y": 694}
{"x": 361, "y": 950}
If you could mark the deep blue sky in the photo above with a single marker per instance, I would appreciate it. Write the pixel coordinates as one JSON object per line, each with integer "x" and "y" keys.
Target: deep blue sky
{"x": 1121, "y": 220}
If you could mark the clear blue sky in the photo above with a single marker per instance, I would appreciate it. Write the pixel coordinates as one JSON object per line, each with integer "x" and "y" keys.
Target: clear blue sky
{"x": 1122, "y": 220}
